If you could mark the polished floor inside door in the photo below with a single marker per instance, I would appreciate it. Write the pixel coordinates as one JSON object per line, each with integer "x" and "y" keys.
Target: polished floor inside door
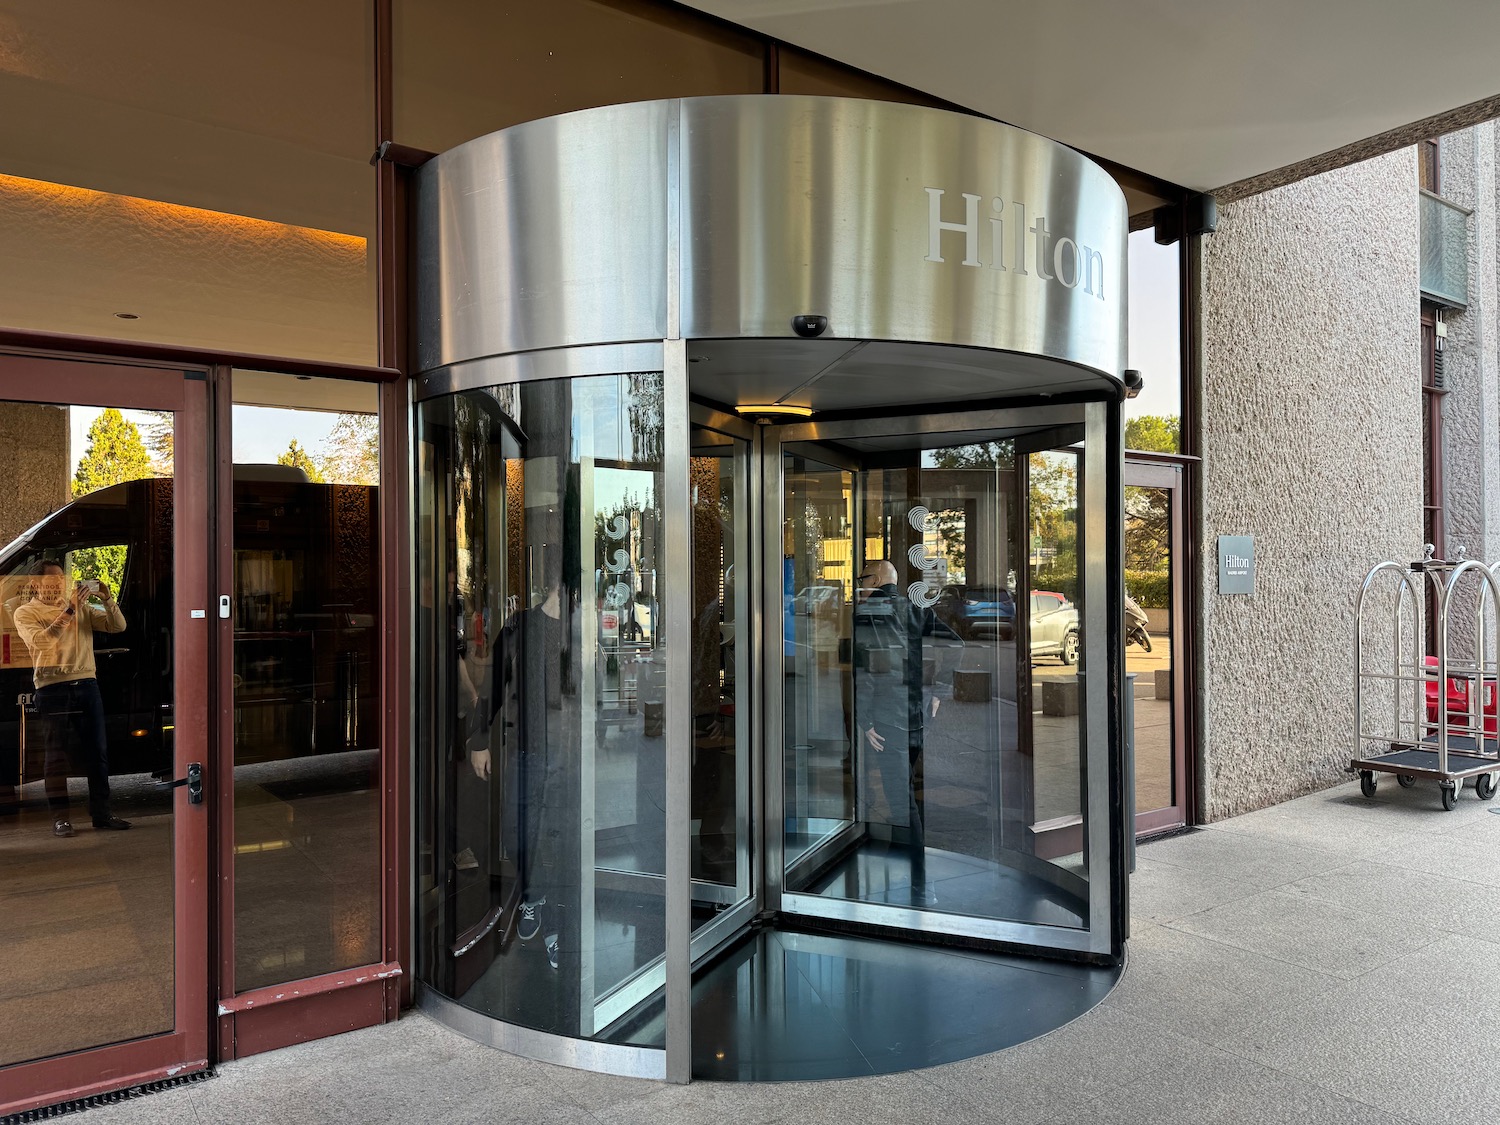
{"x": 783, "y": 1006}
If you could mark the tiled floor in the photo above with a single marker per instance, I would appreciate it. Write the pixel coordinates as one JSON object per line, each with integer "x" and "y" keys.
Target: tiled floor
{"x": 1331, "y": 960}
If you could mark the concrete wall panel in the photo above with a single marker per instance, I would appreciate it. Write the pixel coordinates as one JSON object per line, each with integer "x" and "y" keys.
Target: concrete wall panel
{"x": 37, "y": 478}
{"x": 1311, "y": 419}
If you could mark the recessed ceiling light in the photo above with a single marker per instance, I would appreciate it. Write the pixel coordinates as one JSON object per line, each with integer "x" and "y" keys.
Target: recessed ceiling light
{"x": 127, "y": 316}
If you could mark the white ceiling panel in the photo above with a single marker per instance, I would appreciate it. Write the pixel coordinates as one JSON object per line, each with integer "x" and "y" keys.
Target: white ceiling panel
{"x": 1202, "y": 93}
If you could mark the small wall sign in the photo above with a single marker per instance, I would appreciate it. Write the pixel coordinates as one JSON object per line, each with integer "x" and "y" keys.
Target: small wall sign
{"x": 1236, "y": 564}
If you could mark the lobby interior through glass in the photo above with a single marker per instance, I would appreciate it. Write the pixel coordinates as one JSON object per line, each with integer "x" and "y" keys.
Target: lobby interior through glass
{"x": 892, "y": 612}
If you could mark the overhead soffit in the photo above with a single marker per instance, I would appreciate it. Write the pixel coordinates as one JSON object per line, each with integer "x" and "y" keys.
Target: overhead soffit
{"x": 841, "y": 375}
{"x": 1202, "y": 93}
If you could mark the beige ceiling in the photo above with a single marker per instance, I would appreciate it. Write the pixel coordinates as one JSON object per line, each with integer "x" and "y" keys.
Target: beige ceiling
{"x": 1203, "y": 93}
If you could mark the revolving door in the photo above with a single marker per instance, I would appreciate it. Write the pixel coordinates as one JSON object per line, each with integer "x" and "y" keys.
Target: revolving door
{"x": 733, "y": 622}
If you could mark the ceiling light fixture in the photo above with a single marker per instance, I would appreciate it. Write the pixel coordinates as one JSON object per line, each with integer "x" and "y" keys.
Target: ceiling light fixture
{"x": 774, "y": 410}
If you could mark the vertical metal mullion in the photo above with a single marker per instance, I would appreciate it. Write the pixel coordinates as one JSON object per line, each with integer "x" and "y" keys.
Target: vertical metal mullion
{"x": 745, "y": 675}
{"x": 768, "y": 656}
{"x": 1102, "y": 652}
{"x": 588, "y": 713}
{"x": 677, "y": 518}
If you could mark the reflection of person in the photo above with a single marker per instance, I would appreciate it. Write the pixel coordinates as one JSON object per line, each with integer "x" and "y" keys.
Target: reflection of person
{"x": 58, "y": 627}
{"x": 889, "y": 706}
{"x": 470, "y": 727}
{"x": 713, "y": 780}
{"x": 539, "y": 754}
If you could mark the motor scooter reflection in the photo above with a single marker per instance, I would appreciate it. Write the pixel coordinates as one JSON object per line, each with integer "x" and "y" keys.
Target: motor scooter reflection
{"x": 1135, "y": 625}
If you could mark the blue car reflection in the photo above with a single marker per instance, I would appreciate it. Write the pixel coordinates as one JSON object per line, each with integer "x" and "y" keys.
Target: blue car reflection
{"x": 978, "y": 612}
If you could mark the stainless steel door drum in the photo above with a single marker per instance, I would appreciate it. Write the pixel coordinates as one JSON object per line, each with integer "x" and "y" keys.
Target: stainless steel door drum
{"x": 615, "y": 309}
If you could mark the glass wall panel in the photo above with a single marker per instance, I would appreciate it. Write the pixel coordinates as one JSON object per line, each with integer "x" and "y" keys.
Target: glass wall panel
{"x": 932, "y": 697}
{"x": 162, "y": 178}
{"x": 1153, "y": 420}
{"x": 1148, "y": 641}
{"x": 1053, "y": 629}
{"x": 467, "y": 67}
{"x": 307, "y": 701}
{"x": 86, "y": 706}
{"x": 722, "y": 703}
{"x": 541, "y": 699}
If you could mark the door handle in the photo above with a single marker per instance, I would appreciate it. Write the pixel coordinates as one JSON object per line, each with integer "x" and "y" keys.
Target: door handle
{"x": 193, "y": 781}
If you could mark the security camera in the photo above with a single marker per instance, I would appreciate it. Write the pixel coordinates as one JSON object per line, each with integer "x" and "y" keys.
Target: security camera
{"x": 1133, "y": 382}
{"x": 809, "y": 325}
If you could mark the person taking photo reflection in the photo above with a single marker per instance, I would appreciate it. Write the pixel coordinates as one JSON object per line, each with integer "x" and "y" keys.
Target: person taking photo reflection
{"x": 58, "y": 625}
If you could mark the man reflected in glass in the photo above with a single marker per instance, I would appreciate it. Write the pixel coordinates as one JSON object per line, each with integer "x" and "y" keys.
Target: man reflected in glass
{"x": 533, "y": 740}
{"x": 889, "y": 709}
{"x": 58, "y": 625}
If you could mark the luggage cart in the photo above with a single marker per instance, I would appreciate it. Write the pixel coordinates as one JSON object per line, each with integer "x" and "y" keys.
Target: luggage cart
{"x": 1430, "y": 716}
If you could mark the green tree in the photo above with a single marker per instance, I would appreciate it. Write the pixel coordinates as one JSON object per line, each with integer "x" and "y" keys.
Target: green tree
{"x": 159, "y": 435}
{"x": 1148, "y": 532}
{"x": 115, "y": 454}
{"x": 352, "y": 455}
{"x": 1154, "y": 433}
{"x": 298, "y": 458}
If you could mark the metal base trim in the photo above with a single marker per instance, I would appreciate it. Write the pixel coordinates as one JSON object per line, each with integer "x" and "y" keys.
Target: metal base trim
{"x": 580, "y": 1054}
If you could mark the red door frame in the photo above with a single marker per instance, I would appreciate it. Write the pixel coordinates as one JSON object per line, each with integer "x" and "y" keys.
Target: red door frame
{"x": 183, "y": 390}
{"x": 263, "y": 1019}
{"x": 226, "y": 1025}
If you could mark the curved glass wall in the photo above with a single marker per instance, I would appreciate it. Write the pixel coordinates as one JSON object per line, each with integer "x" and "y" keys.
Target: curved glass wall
{"x": 541, "y": 688}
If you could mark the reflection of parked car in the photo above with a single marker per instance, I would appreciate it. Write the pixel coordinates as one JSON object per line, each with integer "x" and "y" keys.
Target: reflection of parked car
{"x": 815, "y": 599}
{"x": 977, "y": 612}
{"x": 305, "y": 598}
{"x": 1054, "y": 626}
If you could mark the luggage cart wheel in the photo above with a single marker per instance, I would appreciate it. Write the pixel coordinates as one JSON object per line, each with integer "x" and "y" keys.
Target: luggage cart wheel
{"x": 1484, "y": 786}
{"x": 1405, "y": 780}
{"x": 1450, "y": 795}
{"x": 1367, "y": 782}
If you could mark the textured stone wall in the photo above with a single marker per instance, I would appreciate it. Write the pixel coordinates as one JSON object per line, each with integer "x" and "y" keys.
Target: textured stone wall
{"x": 1311, "y": 438}
{"x": 37, "y": 474}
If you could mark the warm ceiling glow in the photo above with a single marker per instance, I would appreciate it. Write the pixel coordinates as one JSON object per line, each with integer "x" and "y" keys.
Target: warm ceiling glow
{"x": 148, "y": 213}
{"x": 774, "y": 409}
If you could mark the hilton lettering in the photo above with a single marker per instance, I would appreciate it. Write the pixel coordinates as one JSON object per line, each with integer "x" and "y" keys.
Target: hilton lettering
{"x": 1237, "y": 563}
{"x": 1070, "y": 264}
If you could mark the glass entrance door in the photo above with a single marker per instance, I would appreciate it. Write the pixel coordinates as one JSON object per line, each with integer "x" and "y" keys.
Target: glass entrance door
{"x": 104, "y": 639}
{"x": 935, "y": 601}
{"x": 1153, "y": 651}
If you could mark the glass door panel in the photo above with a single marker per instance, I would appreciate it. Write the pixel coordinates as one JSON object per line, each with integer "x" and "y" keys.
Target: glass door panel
{"x": 305, "y": 605}
{"x": 933, "y": 698}
{"x": 815, "y": 586}
{"x": 102, "y": 910}
{"x": 1152, "y": 526}
{"x": 722, "y": 681}
{"x": 1054, "y": 644}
